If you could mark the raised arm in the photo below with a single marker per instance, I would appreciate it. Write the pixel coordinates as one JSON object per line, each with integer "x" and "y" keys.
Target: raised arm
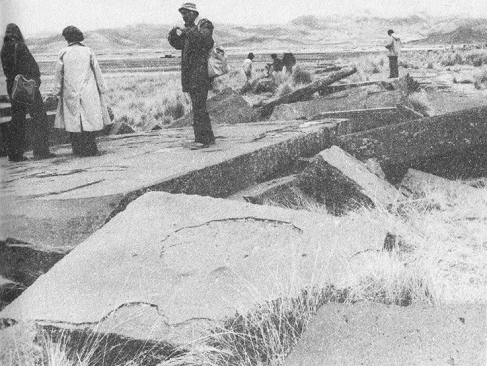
{"x": 175, "y": 40}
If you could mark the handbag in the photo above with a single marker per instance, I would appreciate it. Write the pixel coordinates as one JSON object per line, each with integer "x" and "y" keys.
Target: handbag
{"x": 23, "y": 90}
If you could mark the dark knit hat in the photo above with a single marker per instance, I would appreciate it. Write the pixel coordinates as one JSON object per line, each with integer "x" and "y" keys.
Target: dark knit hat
{"x": 73, "y": 34}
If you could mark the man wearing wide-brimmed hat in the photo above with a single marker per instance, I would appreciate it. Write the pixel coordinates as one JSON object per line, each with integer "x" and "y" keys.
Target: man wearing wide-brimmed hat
{"x": 195, "y": 40}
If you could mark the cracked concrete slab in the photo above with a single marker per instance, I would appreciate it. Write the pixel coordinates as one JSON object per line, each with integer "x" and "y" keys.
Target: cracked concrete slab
{"x": 59, "y": 202}
{"x": 170, "y": 266}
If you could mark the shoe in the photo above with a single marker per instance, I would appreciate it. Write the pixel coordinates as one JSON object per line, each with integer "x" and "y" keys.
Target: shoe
{"x": 17, "y": 159}
{"x": 198, "y": 145}
{"x": 44, "y": 156}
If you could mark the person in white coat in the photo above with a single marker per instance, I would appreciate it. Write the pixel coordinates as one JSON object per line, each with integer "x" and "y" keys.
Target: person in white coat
{"x": 80, "y": 86}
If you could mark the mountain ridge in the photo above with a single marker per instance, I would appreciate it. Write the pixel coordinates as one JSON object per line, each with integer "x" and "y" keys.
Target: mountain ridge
{"x": 302, "y": 32}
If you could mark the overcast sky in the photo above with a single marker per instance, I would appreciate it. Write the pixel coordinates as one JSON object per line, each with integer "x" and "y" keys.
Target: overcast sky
{"x": 34, "y": 16}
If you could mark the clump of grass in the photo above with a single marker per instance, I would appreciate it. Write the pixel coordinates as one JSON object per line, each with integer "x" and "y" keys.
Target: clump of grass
{"x": 284, "y": 89}
{"x": 453, "y": 59}
{"x": 301, "y": 76}
{"x": 32, "y": 345}
{"x": 481, "y": 79}
{"x": 268, "y": 333}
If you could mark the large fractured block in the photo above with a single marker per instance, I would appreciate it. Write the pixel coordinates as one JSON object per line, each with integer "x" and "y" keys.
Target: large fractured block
{"x": 172, "y": 267}
{"x": 226, "y": 108}
{"x": 343, "y": 183}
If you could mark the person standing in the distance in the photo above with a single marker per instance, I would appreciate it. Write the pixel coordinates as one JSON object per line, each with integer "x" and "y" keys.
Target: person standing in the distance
{"x": 276, "y": 65}
{"x": 288, "y": 60}
{"x": 17, "y": 59}
{"x": 195, "y": 40}
{"x": 394, "y": 48}
{"x": 247, "y": 67}
{"x": 79, "y": 84}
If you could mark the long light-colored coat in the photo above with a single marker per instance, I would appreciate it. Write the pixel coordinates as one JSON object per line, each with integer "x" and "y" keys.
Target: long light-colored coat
{"x": 80, "y": 86}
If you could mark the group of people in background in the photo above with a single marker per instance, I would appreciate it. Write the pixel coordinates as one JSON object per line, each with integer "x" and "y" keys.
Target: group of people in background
{"x": 78, "y": 84}
{"x": 80, "y": 87}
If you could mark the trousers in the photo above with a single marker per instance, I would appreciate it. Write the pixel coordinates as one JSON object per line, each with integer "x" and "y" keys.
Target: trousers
{"x": 203, "y": 133}
{"x": 15, "y": 129}
{"x": 393, "y": 67}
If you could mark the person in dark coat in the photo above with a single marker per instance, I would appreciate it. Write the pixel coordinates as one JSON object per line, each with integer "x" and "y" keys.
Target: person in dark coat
{"x": 195, "y": 41}
{"x": 288, "y": 60}
{"x": 17, "y": 59}
{"x": 276, "y": 65}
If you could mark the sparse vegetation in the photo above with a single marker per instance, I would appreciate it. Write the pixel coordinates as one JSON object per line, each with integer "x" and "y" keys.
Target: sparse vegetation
{"x": 142, "y": 100}
{"x": 438, "y": 256}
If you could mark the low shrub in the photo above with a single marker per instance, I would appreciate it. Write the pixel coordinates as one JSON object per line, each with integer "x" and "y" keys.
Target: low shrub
{"x": 301, "y": 76}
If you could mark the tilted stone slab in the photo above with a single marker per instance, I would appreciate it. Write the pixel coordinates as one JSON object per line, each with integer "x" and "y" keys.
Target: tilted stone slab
{"x": 419, "y": 139}
{"x": 59, "y": 202}
{"x": 171, "y": 266}
{"x": 343, "y": 183}
{"x": 420, "y": 184}
{"x": 366, "y": 119}
{"x": 372, "y": 334}
{"x": 352, "y": 99}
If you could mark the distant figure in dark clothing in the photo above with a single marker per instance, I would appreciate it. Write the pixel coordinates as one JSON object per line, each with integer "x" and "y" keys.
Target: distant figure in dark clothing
{"x": 195, "y": 40}
{"x": 276, "y": 65}
{"x": 289, "y": 61}
{"x": 394, "y": 47}
{"x": 17, "y": 59}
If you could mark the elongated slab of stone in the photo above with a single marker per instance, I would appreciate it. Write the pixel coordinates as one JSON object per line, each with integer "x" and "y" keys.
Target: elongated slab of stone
{"x": 352, "y": 99}
{"x": 59, "y": 202}
{"x": 343, "y": 183}
{"x": 171, "y": 266}
{"x": 373, "y": 334}
{"x": 419, "y": 139}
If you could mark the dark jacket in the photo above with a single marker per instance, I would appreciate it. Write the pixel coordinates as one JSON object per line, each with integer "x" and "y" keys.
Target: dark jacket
{"x": 26, "y": 64}
{"x": 277, "y": 65}
{"x": 288, "y": 60}
{"x": 195, "y": 42}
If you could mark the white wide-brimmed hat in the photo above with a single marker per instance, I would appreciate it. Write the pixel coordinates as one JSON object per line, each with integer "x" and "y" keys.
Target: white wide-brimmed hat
{"x": 189, "y": 6}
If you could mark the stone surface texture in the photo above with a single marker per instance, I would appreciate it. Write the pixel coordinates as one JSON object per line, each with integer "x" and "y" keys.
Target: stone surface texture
{"x": 170, "y": 266}
{"x": 423, "y": 138}
{"x": 371, "y": 334}
{"x": 226, "y": 108}
{"x": 365, "y": 97}
{"x": 59, "y": 202}
{"x": 343, "y": 183}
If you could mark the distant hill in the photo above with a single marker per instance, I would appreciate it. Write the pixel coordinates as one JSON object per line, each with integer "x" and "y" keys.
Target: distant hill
{"x": 301, "y": 33}
{"x": 461, "y": 35}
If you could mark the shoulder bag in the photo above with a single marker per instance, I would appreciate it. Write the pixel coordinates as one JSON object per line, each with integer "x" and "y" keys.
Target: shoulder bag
{"x": 217, "y": 60}
{"x": 23, "y": 90}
